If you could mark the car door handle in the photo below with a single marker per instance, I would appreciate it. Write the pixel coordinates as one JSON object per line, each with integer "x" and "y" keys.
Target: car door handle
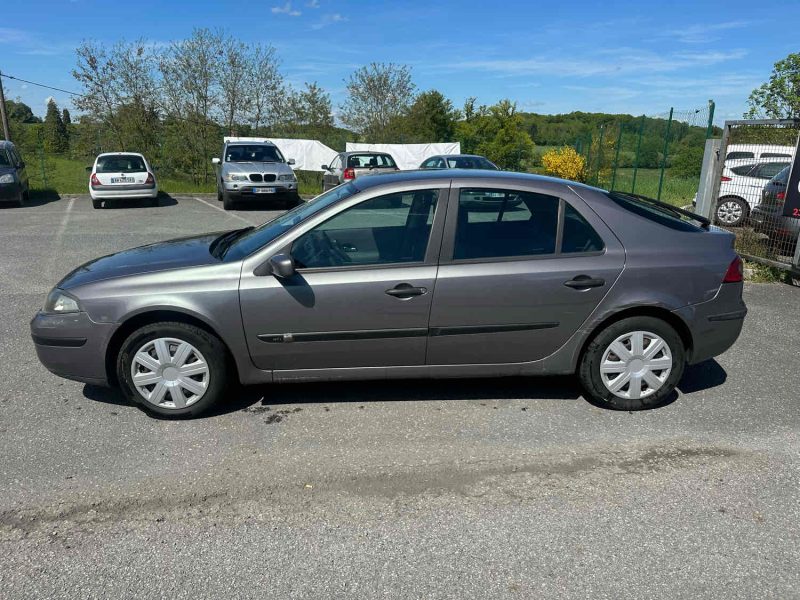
{"x": 406, "y": 290}
{"x": 583, "y": 282}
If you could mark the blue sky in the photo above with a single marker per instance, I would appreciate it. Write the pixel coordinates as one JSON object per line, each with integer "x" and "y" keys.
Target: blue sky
{"x": 634, "y": 57}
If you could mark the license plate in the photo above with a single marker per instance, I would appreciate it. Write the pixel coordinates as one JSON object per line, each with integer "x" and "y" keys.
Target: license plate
{"x": 263, "y": 190}
{"x": 122, "y": 180}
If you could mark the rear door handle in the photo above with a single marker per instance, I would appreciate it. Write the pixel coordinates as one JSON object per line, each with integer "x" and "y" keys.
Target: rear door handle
{"x": 406, "y": 290}
{"x": 583, "y": 282}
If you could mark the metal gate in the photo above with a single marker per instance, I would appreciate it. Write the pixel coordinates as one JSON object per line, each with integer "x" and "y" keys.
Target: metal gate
{"x": 748, "y": 189}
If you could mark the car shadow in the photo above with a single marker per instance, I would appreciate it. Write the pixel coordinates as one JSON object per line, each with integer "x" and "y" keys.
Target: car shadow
{"x": 163, "y": 199}
{"x": 36, "y": 198}
{"x": 706, "y": 375}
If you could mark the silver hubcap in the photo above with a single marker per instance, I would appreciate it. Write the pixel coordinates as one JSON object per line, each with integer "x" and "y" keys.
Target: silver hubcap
{"x": 170, "y": 373}
{"x": 636, "y": 365}
{"x": 729, "y": 212}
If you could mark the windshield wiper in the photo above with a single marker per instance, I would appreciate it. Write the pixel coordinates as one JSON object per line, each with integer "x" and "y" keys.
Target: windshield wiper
{"x": 220, "y": 245}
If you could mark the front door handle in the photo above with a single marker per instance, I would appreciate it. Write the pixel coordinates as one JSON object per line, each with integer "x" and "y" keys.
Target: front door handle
{"x": 406, "y": 290}
{"x": 583, "y": 282}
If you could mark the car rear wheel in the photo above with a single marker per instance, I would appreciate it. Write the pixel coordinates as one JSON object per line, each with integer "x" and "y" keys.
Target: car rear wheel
{"x": 731, "y": 212}
{"x": 173, "y": 369}
{"x": 633, "y": 364}
{"x": 97, "y": 203}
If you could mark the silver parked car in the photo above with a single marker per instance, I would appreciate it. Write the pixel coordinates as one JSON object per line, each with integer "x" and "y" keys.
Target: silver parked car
{"x": 405, "y": 276}
{"x": 347, "y": 166}
{"x": 458, "y": 161}
{"x": 252, "y": 170}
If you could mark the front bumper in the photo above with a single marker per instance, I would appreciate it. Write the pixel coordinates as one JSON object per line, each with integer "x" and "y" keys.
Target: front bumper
{"x": 715, "y": 325}
{"x": 247, "y": 189}
{"x": 72, "y": 346}
{"x": 107, "y": 192}
{"x": 9, "y": 192}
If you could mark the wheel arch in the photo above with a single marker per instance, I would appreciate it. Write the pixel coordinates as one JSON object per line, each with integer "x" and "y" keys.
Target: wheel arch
{"x": 658, "y": 312}
{"x": 140, "y": 319}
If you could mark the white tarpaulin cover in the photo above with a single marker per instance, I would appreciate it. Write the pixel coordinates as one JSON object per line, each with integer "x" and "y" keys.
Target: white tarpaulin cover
{"x": 407, "y": 156}
{"x": 309, "y": 155}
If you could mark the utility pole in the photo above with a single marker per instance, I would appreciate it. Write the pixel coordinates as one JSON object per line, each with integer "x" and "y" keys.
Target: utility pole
{"x": 3, "y": 115}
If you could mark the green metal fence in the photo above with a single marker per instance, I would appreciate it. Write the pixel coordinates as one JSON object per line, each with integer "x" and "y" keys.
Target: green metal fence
{"x": 658, "y": 155}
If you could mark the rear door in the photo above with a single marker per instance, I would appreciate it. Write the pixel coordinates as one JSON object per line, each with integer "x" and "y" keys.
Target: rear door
{"x": 520, "y": 271}
{"x": 362, "y": 293}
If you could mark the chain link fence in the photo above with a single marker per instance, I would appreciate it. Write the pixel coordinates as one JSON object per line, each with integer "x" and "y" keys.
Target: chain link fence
{"x": 658, "y": 156}
{"x": 750, "y": 181}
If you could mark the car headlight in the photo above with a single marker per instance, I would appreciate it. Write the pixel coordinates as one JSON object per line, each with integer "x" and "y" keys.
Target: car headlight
{"x": 287, "y": 177}
{"x": 236, "y": 177}
{"x": 61, "y": 303}
{"x": 7, "y": 178}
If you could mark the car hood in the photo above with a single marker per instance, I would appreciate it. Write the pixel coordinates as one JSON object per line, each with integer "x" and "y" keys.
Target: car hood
{"x": 173, "y": 254}
{"x": 277, "y": 168}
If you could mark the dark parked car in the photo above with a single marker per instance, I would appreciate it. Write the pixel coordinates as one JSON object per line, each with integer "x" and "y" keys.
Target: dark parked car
{"x": 404, "y": 276}
{"x": 768, "y": 216}
{"x": 458, "y": 161}
{"x": 14, "y": 185}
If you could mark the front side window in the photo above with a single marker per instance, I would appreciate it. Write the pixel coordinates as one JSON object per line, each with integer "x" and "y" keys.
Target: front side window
{"x": 336, "y": 162}
{"x": 253, "y": 153}
{"x": 505, "y": 223}
{"x": 388, "y": 229}
{"x": 125, "y": 163}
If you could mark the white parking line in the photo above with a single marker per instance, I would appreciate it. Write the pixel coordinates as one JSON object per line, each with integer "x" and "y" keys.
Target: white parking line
{"x": 59, "y": 235}
{"x": 222, "y": 210}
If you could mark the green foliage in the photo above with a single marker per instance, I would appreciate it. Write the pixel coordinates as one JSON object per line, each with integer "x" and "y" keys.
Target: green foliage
{"x": 495, "y": 132}
{"x": 66, "y": 117}
{"x": 431, "y": 118}
{"x": 779, "y": 98}
{"x": 55, "y": 136}
{"x": 688, "y": 161}
{"x": 565, "y": 163}
{"x": 19, "y": 112}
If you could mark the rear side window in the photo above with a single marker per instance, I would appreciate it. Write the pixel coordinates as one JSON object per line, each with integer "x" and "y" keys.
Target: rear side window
{"x": 358, "y": 161}
{"x": 743, "y": 170}
{"x": 770, "y": 170}
{"x": 579, "y": 236}
{"x": 651, "y": 211}
{"x": 738, "y": 155}
{"x": 126, "y": 163}
{"x": 505, "y": 223}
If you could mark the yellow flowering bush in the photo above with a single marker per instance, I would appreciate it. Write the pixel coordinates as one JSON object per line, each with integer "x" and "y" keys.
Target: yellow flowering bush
{"x": 565, "y": 163}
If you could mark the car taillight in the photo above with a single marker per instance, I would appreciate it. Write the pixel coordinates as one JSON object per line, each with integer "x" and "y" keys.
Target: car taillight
{"x": 349, "y": 173}
{"x": 734, "y": 272}
{"x": 150, "y": 179}
{"x": 723, "y": 178}
{"x": 95, "y": 181}
{"x": 781, "y": 196}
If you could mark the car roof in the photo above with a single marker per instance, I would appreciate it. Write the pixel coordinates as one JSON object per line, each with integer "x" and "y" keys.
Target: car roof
{"x": 365, "y": 152}
{"x": 120, "y": 154}
{"x": 250, "y": 143}
{"x": 461, "y": 156}
{"x": 461, "y": 176}
{"x": 6, "y": 144}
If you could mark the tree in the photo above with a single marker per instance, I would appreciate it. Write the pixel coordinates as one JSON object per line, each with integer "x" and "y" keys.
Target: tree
{"x": 20, "y": 112}
{"x": 497, "y": 132}
{"x": 431, "y": 118}
{"x": 233, "y": 72}
{"x": 311, "y": 108}
{"x": 56, "y": 139}
{"x": 66, "y": 117}
{"x": 779, "y": 98}
{"x": 377, "y": 94}
{"x": 265, "y": 87}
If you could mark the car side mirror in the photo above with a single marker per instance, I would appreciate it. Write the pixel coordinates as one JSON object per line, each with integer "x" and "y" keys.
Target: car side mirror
{"x": 291, "y": 161}
{"x": 215, "y": 161}
{"x": 282, "y": 266}
{"x": 89, "y": 169}
{"x": 325, "y": 168}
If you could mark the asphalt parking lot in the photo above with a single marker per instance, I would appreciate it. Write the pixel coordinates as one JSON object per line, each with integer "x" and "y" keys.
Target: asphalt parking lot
{"x": 511, "y": 488}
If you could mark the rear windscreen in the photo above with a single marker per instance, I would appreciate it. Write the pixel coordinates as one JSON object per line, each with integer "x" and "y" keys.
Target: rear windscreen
{"x": 650, "y": 210}
{"x": 120, "y": 164}
{"x": 365, "y": 161}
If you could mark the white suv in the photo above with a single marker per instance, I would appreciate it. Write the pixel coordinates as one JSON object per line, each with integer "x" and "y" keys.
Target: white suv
{"x": 741, "y": 185}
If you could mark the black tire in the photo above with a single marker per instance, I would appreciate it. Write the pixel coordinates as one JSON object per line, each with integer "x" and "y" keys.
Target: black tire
{"x": 228, "y": 203}
{"x": 721, "y": 211}
{"x": 589, "y": 366}
{"x": 209, "y": 345}
{"x": 21, "y": 199}
{"x": 97, "y": 203}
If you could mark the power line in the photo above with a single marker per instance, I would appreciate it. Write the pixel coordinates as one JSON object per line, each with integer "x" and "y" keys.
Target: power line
{"x": 41, "y": 85}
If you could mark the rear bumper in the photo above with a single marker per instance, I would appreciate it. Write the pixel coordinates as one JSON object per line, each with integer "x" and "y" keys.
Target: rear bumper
{"x": 771, "y": 221}
{"x": 72, "y": 346}
{"x": 715, "y": 325}
{"x": 104, "y": 192}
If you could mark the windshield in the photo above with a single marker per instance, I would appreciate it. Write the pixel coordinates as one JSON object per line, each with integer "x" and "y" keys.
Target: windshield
{"x": 125, "y": 163}
{"x": 253, "y": 153}
{"x": 783, "y": 176}
{"x": 257, "y": 238}
{"x": 469, "y": 162}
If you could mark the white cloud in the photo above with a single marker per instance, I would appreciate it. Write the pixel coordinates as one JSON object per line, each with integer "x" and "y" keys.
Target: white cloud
{"x": 286, "y": 9}
{"x": 313, "y": 4}
{"x": 329, "y": 20}
{"x": 698, "y": 34}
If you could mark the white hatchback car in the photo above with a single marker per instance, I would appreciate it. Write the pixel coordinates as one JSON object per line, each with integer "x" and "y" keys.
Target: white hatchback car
{"x": 123, "y": 176}
{"x": 741, "y": 185}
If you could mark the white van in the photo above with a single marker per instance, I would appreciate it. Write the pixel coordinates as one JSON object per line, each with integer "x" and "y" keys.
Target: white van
{"x": 758, "y": 151}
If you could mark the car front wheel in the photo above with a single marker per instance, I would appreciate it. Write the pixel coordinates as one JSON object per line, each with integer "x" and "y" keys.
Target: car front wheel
{"x": 633, "y": 364}
{"x": 731, "y": 212}
{"x": 173, "y": 369}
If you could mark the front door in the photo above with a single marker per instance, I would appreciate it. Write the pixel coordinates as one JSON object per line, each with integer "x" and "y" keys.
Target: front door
{"x": 520, "y": 272}
{"x": 330, "y": 178}
{"x": 361, "y": 296}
